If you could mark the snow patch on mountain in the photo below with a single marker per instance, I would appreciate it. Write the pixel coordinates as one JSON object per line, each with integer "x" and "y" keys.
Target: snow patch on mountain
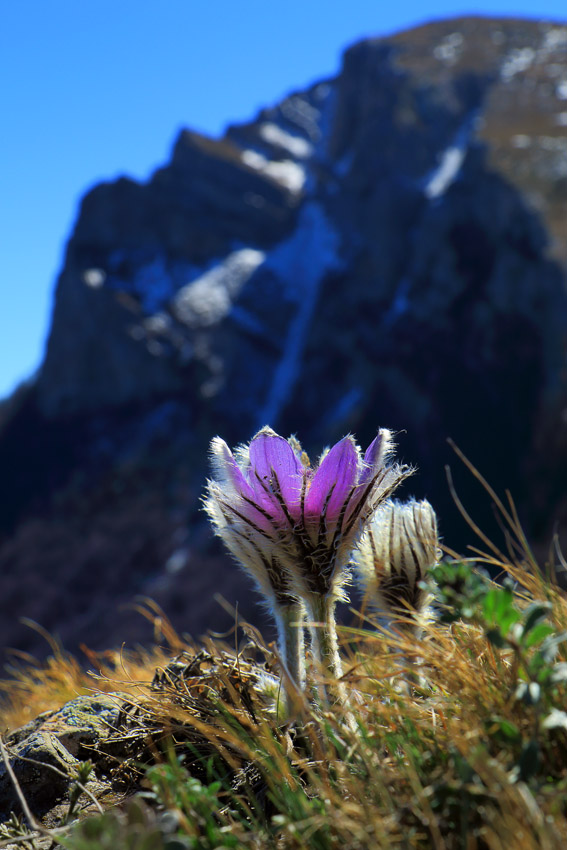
{"x": 296, "y": 146}
{"x": 208, "y": 299}
{"x": 451, "y": 159}
{"x": 517, "y": 61}
{"x": 286, "y": 172}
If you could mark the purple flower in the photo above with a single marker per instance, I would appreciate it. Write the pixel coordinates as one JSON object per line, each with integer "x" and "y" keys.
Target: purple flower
{"x": 245, "y": 520}
{"x": 291, "y": 525}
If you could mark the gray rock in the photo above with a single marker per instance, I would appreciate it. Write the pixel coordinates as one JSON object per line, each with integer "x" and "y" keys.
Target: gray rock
{"x": 46, "y": 753}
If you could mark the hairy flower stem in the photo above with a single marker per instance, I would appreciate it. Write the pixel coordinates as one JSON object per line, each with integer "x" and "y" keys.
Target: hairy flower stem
{"x": 325, "y": 648}
{"x": 291, "y": 644}
{"x": 415, "y": 675}
{"x": 409, "y": 665}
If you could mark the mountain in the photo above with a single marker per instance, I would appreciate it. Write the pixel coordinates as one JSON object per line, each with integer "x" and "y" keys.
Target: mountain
{"x": 385, "y": 248}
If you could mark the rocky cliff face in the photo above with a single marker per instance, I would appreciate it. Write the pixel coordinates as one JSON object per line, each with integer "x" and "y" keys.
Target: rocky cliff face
{"x": 385, "y": 248}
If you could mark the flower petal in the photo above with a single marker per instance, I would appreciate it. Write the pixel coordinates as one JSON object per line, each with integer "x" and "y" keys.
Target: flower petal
{"x": 254, "y": 506}
{"x": 227, "y": 470}
{"x": 275, "y": 469}
{"x": 375, "y": 455}
{"x": 337, "y": 470}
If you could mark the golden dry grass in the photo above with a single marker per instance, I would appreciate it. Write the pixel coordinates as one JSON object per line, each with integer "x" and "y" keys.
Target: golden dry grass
{"x": 437, "y": 756}
{"x": 33, "y": 688}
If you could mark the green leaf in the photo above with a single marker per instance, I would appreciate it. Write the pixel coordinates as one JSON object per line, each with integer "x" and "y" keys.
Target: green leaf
{"x": 504, "y": 728}
{"x": 537, "y": 634}
{"x": 499, "y": 609}
{"x": 534, "y": 614}
{"x": 459, "y": 590}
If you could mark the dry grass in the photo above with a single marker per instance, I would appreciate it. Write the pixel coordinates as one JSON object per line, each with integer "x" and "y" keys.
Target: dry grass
{"x": 443, "y": 753}
{"x": 34, "y": 688}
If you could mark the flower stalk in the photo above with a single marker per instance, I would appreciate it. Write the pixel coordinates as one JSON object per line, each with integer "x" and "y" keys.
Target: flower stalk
{"x": 291, "y": 640}
{"x": 325, "y": 649}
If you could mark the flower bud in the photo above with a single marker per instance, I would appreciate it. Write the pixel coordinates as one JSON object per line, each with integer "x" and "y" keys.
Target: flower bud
{"x": 398, "y": 547}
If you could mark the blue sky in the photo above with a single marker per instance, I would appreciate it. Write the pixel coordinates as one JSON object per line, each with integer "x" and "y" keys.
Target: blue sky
{"x": 93, "y": 90}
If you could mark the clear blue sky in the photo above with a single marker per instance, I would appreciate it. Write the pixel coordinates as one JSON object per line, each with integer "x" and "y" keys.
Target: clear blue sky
{"x": 91, "y": 90}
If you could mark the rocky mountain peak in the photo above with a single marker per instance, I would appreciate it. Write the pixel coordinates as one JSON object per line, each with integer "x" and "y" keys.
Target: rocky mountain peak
{"x": 384, "y": 248}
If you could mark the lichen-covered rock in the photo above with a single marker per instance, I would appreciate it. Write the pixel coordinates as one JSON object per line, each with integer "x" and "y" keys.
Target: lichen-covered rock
{"x": 46, "y": 753}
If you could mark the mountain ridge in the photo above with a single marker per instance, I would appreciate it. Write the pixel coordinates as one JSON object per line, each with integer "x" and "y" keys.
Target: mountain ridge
{"x": 383, "y": 248}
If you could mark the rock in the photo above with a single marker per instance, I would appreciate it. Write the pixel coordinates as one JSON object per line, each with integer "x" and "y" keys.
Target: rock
{"x": 46, "y": 753}
{"x": 134, "y": 247}
{"x": 384, "y": 248}
{"x": 118, "y": 735}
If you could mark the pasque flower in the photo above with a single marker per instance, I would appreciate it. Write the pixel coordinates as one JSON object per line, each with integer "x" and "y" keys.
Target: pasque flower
{"x": 293, "y": 526}
{"x": 242, "y": 524}
{"x": 399, "y": 545}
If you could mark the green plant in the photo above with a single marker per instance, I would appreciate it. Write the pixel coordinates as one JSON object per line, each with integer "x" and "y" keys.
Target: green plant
{"x": 194, "y": 806}
{"x": 84, "y": 771}
{"x": 135, "y": 827}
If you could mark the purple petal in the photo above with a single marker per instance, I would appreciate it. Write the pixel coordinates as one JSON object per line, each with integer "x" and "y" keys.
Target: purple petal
{"x": 273, "y": 461}
{"x": 239, "y": 481}
{"x": 232, "y": 484}
{"x": 338, "y": 468}
{"x": 227, "y": 469}
{"x": 372, "y": 458}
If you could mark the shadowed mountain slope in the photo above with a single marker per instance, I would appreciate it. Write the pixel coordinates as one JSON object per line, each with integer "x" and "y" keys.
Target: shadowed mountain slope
{"x": 385, "y": 248}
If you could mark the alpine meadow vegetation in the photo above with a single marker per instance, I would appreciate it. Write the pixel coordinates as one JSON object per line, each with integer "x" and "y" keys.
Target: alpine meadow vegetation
{"x": 437, "y": 718}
